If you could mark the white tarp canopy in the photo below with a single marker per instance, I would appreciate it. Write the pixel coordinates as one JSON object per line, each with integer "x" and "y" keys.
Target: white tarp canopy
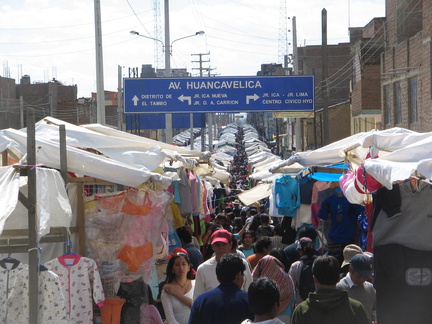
{"x": 258, "y": 192}
{"x": 78, "y": 160}
{"x": 401, "y": 153}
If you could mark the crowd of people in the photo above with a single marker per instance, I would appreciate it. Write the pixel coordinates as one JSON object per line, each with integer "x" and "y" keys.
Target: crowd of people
{"x": 246, "y": 271}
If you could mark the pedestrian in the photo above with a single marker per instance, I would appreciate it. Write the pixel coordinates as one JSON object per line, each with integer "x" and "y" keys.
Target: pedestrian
{"x": 328, "y": 305}
{"x": 272, "y": 268}
{"x": 349, "y": 252}
{"x": 221, "y": 243}
{"x": 356, "y": 284}
{"x": 247, "y": 243}
{"x": 292, "y": 250}
{"x": 265, "y": 309}
{"x": 262, "y": 248}
{"x": 301, "y": 270}
{"x": 227, "y": 303}
{"x": 265, "y": 229}
{"x": 177, "y": 292}
{"x": 194, "y": 254}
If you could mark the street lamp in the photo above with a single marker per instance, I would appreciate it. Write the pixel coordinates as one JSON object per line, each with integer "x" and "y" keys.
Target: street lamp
{"x": 168, "y": 51}
{"x": 133, "y": 32}
{"x": 201, "y": 32}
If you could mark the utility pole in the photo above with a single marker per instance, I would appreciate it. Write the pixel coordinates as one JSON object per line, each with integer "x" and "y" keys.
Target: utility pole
{"x": 100, "y": 91}
{"x": 119, "y": 100}
{"x": 200, "y": 61}
{"x": 208, "y": 116}
{"x": 298, "y": 125}
{"x": 168, "y": 117}
{"x": 324, "y": 82}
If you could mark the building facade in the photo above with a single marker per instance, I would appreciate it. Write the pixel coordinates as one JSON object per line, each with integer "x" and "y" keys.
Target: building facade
{"x": 406, "y": 86}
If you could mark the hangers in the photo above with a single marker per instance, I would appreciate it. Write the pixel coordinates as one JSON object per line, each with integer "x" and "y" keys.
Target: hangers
{"x": 68, "y": 245}
{"x": 9, "y": 263}
{"x": 41, "y": 265}
{"x": 69, "y": 258}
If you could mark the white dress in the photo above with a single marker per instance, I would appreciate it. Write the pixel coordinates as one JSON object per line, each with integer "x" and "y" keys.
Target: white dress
{"x": 175, "y": 311}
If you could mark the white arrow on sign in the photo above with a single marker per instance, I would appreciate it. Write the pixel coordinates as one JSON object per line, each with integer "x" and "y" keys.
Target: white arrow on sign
{"x": 135, "y": 100}
{"x": 255, "y": 97}
{"x": 183, "y": 98}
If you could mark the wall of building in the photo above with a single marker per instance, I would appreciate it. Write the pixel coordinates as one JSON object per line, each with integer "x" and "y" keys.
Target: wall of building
{"x": 404, "y": 59}
{"x": 9, "y": 104}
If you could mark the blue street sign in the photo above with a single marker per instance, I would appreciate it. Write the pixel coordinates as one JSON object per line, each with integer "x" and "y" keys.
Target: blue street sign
{"x": 157, "y": 121}
{"x": 219, "y": 94}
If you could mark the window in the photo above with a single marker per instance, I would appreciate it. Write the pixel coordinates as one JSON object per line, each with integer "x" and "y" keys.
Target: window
{"x": 387, "y": 106}
{"x": 412, "y": 100}
{"x": 397, "y": 103}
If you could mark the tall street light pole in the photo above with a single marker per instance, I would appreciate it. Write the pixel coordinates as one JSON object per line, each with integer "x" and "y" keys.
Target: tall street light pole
{"x": 100, "y": 91}
{"x": 168, "y": 50}
{"x": 168, "y": 117}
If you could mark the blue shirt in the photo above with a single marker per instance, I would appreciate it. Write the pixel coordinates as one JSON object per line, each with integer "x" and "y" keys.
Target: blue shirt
{"x": 226, "y": 304}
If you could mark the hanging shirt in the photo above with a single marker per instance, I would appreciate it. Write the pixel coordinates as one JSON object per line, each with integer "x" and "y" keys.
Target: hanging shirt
{"x": 343, "y": 216}
{"x": 287, "y": 195}
{"x": 80, "y": 282}
{"x": 185, "y": 193}
{"x": 51, "y": 301}
{"x": 8, "y": 274}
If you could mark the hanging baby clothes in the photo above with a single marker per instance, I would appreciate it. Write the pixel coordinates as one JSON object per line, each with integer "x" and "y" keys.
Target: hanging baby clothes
{"x": 52, "y": 308}
{"x": 80, "y": 282}
{"x": 8, "y": 273}
{"x": 134, "y": 292}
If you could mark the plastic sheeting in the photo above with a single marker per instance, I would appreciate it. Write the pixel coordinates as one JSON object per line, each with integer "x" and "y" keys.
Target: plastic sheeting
{"x": 9, "y": 187}
{"x": 52, "y": 207}
{"x": 79, "y": 161}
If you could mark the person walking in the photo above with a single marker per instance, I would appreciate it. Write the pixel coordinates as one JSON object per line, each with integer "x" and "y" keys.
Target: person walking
{"x": 265, "y": 309}
{"x": 355, "y": 283}
{"x": 227, "y": 303}
{"x": 328, "y": 305}
{"x": 206, "y": 279}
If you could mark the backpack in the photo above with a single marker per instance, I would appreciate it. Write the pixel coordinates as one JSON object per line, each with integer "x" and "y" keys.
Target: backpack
{"x": 306, "y": 283}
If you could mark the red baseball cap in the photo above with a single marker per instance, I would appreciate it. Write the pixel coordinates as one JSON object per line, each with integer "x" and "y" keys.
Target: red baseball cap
{"x": 177, "y": 250}
{"x": 221, "y": 235}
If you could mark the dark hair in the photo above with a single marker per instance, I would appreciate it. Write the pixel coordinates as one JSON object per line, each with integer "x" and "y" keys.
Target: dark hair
{"x": 184, "y": 234}
{"x": 281, "y": 256}
{"x": 169, "y": 269}
{"x": 326, "y": 270}
{"x": 263, "y": 295}
{"x": 256, "y": 222}
{"x": 308, "y": 232}
{"x": 230, "y": 215}
{"x": 309, "y": 250}
{"x": 228, "y": 210}
{"x": 264, "y": 218}
{"x": 253, "y": 211}
{"x": 262, "y": 243}
{"x": 229, "y": 266}
{"x": 221, "y": 216}
{"x": 247, "y": 232}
